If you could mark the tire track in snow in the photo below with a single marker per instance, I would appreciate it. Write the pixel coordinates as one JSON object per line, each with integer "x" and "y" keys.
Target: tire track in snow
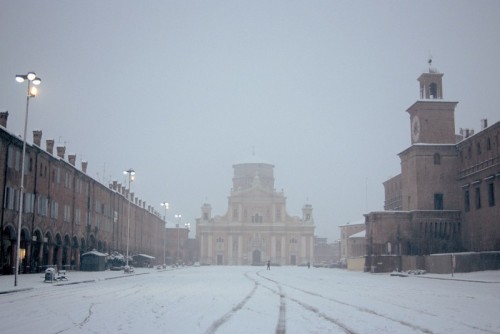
{"x": 358, "y": 308}
{"x": 217, "y": 323}
{"x": 281, "y": 326}
{"x": 310, "y": 308}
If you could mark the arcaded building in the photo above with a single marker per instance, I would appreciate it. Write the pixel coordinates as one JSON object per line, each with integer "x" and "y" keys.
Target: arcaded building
{"x": 66, "y": 212}
{"x": 445, "y": 198}
{"x": 256, "y": 227}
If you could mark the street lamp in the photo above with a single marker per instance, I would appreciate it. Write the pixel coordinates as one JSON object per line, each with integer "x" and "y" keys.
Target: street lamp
{"x": 32, "y": 90}
{"x": 187, "y": 226}
{"x": 130, "y": 172}
{"x": 178, "y": 217}
{"x": 165, "y": 204}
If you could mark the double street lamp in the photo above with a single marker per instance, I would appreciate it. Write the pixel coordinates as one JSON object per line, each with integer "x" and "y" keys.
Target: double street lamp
{"x": 33, "y": 81}
{"x": 165, "y": 205}
{"x": 130, "y": 173}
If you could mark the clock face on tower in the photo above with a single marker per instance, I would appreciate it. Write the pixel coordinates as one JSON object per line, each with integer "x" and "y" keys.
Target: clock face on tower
{"x": 415, "y": 128}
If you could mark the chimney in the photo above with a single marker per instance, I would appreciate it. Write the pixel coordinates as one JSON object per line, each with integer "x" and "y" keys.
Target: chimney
{"x": 3, "y": 118}
{"x": 84, "y": 166}
{"x": 60, "y": 151}
{"x": 484, "y": 123}
{"x": 50, "y": 145}
{"x": 115, "y": 185}
{"x": 72, "y": 159}
{"x": 37, "y": 137}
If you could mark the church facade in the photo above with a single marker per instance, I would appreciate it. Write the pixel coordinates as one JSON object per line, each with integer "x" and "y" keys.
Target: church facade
{"x": 256, "y": 227}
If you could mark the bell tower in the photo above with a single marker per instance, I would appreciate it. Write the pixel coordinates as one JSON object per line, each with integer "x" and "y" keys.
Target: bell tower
{"x": 432, "y": 119}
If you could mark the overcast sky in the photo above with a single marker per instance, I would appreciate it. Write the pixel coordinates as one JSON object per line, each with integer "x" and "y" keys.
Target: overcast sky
{"x": 182, "y": 90}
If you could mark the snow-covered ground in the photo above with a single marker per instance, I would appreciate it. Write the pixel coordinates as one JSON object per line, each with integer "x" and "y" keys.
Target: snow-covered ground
{"x": 219, "y": 299}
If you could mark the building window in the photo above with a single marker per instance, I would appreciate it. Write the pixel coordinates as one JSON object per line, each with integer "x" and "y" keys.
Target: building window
{"x": 438, "y": 201}
{"x": 467, "y": 201}
{"x": 478, "y": 198}
{"x": 469, "y": 152}
{"x": 433, "y": 90}
{"x": 67, "y": 213}
{"x": 257, "y": 218}
{"x": 56, "y": 175}
{"x": 488, "y": 144}
{"x": 43, "y": 205}
{"x": 29, "y": 203}
{"x": 17, "y": 165}
{"x": 78, "y": 216}
{"x": 54, "y": 209}
{"x": 478, "y": 148}
{"x": 491, "y": 194}
{"x": 437, "y": 159}
{"x": 10, "y": 157}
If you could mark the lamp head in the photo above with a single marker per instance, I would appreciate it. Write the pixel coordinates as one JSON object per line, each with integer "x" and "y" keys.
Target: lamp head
{"x": 31, "y": 76}
{"x": 20, "y": 78}
{"x": 33, "y": 91}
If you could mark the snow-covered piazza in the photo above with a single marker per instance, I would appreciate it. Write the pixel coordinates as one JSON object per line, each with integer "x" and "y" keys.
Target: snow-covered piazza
{"x": 232, "y": 299}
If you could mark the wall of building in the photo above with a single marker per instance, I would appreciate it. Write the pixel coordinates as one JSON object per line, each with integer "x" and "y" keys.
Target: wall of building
{"x": 66, "y": 212}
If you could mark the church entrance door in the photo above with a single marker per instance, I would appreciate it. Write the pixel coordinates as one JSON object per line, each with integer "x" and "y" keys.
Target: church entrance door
{"x": 256, "y": 257}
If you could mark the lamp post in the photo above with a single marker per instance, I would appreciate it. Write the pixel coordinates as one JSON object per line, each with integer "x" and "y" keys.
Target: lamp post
{"x": 32, "y": 80}
{"x": 130, "y": 173}
{"x": 187, "y": 226}
{"x": 178, "y": 217}
{"x": 165, "y": 205}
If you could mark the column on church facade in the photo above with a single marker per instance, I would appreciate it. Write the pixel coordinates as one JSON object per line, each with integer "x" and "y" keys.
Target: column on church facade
{"x": 230, "y": 259}
{"x": 273, "y": 248}
{"x": 284, "y": 253}
{"x": 209, "y": 250}
{"x": 311, "y": 249}
{"x": 303, "y": 248}
{"x": 240, "y": 249}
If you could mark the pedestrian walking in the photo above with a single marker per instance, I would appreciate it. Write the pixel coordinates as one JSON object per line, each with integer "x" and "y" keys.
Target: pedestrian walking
{"x": 268, "y": 265}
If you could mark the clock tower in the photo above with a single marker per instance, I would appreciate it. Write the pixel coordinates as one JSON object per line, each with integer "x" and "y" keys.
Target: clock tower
{"x": 432, "y": 119}
{"x": 425, "y": 185}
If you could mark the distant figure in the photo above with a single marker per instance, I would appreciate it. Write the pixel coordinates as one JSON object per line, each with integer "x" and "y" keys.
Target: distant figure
{"x": 308, "y": 265}
{"x": 268, "y": 265}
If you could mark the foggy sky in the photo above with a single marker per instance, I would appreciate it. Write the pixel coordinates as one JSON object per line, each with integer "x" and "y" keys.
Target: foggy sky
{"x": 182, "y": 90}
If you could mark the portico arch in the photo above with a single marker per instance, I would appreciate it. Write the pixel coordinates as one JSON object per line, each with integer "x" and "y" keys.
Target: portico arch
{"x": 7, "y": 249}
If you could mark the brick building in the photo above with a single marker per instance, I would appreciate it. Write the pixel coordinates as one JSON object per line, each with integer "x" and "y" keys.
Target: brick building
{"x": 444, "y": 198}
{"x": 65, "y": 212}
